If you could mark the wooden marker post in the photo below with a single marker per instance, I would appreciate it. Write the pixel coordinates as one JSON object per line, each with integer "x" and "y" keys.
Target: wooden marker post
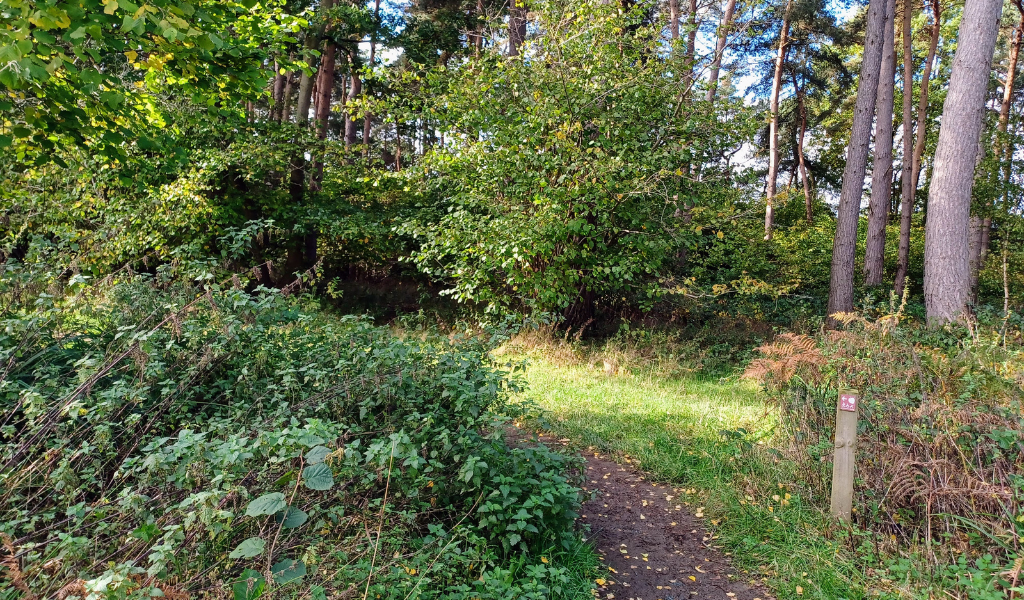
{"x": 845, "y": 451}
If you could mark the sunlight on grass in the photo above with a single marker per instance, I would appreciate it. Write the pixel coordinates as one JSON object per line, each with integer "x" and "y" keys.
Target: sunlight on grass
{"x": 715, "y": 435}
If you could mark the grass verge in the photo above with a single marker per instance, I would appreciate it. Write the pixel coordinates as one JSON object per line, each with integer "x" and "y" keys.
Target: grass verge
{"x": 713, "y": 437}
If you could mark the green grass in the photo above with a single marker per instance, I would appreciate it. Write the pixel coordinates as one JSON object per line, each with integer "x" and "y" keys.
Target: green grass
{"x": 713, "y": 436}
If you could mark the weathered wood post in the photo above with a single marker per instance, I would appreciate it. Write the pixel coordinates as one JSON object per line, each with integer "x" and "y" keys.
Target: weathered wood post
{"x": 845, "y": 451}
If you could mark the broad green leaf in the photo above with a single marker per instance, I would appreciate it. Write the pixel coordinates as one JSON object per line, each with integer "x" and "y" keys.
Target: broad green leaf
{"x": 317, "y": 455}
{"x": 318, "y": 477}
{"x": 287, "y": 570}
{"x": 291, "y": 517}
{"x": 266, "y": 504}
{"x": 249, "y": 548}
{"x": 249, "y": 586}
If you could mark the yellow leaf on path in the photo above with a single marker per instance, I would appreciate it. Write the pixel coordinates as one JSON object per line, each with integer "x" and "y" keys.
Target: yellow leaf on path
{"x": 692, "y": 578}
{"x": 599, "y": 581}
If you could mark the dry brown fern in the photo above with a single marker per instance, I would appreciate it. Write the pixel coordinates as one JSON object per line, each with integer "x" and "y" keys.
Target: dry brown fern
{"x": 12, "y": 568}
{"x": 789, "y": 354}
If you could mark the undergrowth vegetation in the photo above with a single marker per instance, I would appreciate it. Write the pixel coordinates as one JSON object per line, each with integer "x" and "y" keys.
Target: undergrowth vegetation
{"x": 937, "y": 507}
{"x": 940, "y": 447}
{"x": 169, "y": 436}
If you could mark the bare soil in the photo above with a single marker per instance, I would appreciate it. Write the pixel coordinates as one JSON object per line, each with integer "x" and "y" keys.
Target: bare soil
{"x": 652, "y": 546}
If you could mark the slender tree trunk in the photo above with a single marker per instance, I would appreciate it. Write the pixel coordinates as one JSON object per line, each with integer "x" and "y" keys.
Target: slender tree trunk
{"x": 516, "y": 27}
{"x": 673, "y": 19}
{"x": 368, "y": 119}
{"x": 802, "y": 114}
{"x": 922, "y": 105}
{"x": 773, "y": 127}
{"x": 479, "y": 36}
{"x": 881, "y": 171}
{"x": 355, "y": 89}
{"x": 908, "y": 192}
{"x": 278, "y": 95}
{"x": 946, "y": 261}
{"x": 324, "y": 87}
{"x": 286, "y": 106}
{"x": 691, "y": 41}
{"x": 297, "y": 184}
{"x": 723, "y": 39}
{"x": 844, "y": 249}
{"x": 1011, "y": 73}
{"x": 691, "y": 35}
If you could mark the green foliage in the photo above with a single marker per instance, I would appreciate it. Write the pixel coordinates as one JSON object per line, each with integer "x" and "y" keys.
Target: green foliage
{"x": 191, "y": 435}
{"x": 575, "y": 191}
{"x": 79, "y": 74}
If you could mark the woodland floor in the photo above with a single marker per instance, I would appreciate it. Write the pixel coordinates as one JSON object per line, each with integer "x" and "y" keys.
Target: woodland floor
{"x": 651, "y": 546}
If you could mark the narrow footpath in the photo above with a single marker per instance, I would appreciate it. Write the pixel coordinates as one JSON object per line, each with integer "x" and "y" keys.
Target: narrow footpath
{"x": 652, "y": 547}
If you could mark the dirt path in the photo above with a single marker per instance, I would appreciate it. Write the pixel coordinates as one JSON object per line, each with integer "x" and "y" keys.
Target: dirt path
{"x": 651, "y": 546}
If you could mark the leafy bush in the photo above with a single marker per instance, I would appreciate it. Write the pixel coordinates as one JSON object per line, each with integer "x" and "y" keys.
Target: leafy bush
{"x": 164, "y": 437}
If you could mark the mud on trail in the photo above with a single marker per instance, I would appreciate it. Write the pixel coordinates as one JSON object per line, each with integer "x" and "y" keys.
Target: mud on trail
{"x": 651, "y": 546}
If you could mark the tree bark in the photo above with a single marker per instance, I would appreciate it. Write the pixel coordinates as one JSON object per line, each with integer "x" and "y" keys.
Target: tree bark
{"x": 723, "y": 39}
{"x": 481, "y": 15}
{"x": 691, "y": 35}
{"x": 286, "y": 106}
{"x": 907, "y": 196}
{"x": 773, "y": 126}
{"x": 844, "y": 249}
{"x": 910, "y": 187}
{"x": 802, "y": 114}
{"x": 278, "y": 95}
{"x": 922, "y": 105}
{"x": 516, "y": 27}
{"x": 946, "y": 260}
{"x": 881, "y": 171}
{"x": 368, "y": 119}
{"x": 673, "y": 19}
{"x": 324, "y": 87}
{"x": 355, "y": 88}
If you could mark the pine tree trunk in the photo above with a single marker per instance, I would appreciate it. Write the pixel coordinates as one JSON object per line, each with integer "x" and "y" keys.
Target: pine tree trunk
{"x": 286, "y": 106}
{"x": 723, "y": 39}
{"x": 480, "y": 15}
{"x": 516, "y": 27}
{"x": 881, "y": 171}
{"x": 844, "y": 249}
{"x": 773, "y": 127}
{"x": 802, "y": 113}
{"x": 922, "y": 105}
{"x": 324, "y": 87}
{"x": 946, "y": 260}
{"x": 673, "y": 19}
{"x": 355, "y": 88}
{"x": 903, "y": 262}
{"x": 368, "y": 119}
{"x": 907, "y": 196}
{"x": 278, "y": 94}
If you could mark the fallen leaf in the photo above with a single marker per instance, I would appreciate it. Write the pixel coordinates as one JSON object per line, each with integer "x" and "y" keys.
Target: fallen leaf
{"x": 799, "y": 591}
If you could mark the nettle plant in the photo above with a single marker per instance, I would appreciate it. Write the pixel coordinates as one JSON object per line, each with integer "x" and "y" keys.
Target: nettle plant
{"x": 566, "y": 176}
{"x": 161, "y": 438}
